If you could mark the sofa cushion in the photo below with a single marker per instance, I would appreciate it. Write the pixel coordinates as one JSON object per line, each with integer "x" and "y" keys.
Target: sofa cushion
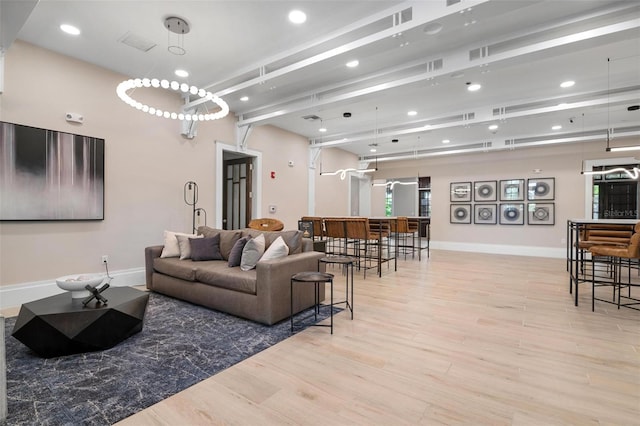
{"x": 172, "y": 266}
{"x": 206, "y": 249}
{"x": 278, "y": 249}
{"x": 292, "y": 238}
{"x": 235, "y": 257}
{"x": 171, "y": 247}
{"x": 218, "y": 274}
{"x": 184, "y": 244}
{"x": 252, "y": 252}
{"x": 227, "y": 238}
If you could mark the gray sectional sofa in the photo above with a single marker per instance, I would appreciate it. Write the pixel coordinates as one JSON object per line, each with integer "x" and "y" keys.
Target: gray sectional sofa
{"x": 261, "y": 294}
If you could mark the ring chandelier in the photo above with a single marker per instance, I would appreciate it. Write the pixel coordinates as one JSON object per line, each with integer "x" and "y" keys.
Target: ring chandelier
{"x": 127, "y": 85}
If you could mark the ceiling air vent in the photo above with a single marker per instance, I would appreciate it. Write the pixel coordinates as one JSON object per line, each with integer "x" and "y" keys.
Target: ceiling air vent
{"x": 312, "y": 117}
{"x": 452, "y": 2}
{"x": 137, "y": 42}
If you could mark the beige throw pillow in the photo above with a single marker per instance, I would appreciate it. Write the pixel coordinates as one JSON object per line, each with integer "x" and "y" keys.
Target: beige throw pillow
{"x": 171, "y": 247}
{"x": 252, "y": 252}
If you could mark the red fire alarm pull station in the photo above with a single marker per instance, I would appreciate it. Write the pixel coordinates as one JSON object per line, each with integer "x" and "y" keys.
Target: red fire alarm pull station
{"x": 273, "y": 175}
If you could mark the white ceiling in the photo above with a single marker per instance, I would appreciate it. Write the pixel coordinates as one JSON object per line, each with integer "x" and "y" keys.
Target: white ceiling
{"x": 519, "y": 50}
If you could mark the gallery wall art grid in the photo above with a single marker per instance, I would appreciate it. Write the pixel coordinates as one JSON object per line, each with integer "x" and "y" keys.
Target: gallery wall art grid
{"x": 511, "y": 209}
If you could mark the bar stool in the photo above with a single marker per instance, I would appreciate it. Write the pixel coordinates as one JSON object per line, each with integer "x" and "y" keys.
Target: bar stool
{"x": 316, "y": 278}
{"x": 347, "y": 263}
{"x": 616, "y": 256}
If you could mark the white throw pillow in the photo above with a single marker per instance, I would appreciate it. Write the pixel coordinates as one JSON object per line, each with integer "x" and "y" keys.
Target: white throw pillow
{"x": 185, "y": 245}
{"x": 252, "y": 252}
{"x": 276, "y": 250}
{"x": 171, "y": 247}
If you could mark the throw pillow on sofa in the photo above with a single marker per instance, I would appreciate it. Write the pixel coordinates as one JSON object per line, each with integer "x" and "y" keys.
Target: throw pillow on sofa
{"x": 185, "y": 245}
{"x": 205, "y": 249}
{"x": 171, "y": 247}
{"x": 235, "y": 256}
{"x": 276, "y": 250}
{"x": 227, "y": 238}
{"x": 252, "y": 252}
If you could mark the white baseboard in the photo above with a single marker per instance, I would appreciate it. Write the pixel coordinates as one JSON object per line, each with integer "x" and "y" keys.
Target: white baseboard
{"x": 17, "y": 294}
{"x": 553, "y": 252}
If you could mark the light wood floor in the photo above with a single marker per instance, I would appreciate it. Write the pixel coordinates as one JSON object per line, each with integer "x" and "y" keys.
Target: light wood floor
{"x": 460, "y": 338}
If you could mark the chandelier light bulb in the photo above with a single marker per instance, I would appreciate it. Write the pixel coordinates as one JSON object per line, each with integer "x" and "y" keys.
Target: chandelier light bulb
{"x": 127, "y": 85}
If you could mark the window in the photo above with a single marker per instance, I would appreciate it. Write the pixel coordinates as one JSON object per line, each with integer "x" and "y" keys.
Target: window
{"x": 615, "y": 195}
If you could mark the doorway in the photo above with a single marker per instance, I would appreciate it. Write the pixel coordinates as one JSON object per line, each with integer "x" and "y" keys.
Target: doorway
{"x": 237, "y": 192}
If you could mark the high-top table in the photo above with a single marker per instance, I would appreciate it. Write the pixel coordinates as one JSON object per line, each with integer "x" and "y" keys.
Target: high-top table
{"x": 59, "y": 325}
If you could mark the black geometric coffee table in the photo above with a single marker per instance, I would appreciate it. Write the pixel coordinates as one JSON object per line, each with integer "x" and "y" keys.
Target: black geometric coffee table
{"x": 59, "y": 325}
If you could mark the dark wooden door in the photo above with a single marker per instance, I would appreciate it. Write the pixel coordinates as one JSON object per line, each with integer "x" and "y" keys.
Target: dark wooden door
{"x": 237, "y": 195}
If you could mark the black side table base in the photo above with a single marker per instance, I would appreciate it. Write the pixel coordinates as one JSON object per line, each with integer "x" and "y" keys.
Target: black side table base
{"x": 316, "y": 278}
{"x": 347, "y": 262}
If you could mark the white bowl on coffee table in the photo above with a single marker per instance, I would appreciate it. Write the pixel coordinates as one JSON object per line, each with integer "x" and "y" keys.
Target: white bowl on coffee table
{"x": 76, "y": 284}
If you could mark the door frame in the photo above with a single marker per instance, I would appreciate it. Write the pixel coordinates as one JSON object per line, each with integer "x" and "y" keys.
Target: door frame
{"x": 256, "y": 209}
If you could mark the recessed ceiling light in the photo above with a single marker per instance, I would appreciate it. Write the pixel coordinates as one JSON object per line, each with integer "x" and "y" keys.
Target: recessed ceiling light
{"x": 70, "y": 29}
{"x": 445, "y": 141}
{"x": 373, "y": 150}
{"x": 297, "y": 16}
{"x": 353, "y": 64}
{"x": 244, "y": 98}
{"x": 412, "y": 113}
{"x": 567, "y": 83}
{"x": 493, "y": 127}
{"x": 556, "y": 127}
{"x": 562, "y": 104}
{"x": 472, "y": 87}
{"x": 181, "y": 73}
{"x": 322, "y": 129}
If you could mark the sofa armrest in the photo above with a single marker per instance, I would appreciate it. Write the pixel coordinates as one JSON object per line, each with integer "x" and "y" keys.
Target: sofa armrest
{"x": 273, "y": 280}
{"x": 151, "y": 253}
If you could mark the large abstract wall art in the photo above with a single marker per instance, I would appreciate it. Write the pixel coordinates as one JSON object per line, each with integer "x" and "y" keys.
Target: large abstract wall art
{"x": 50, "y": 175}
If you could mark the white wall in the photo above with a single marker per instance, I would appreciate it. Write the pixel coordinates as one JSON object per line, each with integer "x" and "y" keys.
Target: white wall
{"x": 329, "y": 189}
{"x": 560, "y": 162}
{"x": 146, "y": 166}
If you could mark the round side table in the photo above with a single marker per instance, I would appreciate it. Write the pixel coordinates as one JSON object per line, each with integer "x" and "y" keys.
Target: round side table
{"x": 347, "y": 263}
{"x": 316, "y": 278}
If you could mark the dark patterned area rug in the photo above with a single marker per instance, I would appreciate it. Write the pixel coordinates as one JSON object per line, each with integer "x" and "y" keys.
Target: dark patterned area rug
{"x": 179, "y": 345}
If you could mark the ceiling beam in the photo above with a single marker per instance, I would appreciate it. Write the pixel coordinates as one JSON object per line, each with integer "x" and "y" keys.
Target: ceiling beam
{"x": 453, "y": 62}
{"x": 422, "y": 13}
